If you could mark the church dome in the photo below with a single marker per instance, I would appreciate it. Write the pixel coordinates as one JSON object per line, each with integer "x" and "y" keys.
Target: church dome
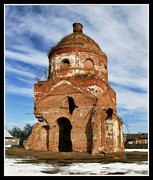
{"x": 77, "y": 41}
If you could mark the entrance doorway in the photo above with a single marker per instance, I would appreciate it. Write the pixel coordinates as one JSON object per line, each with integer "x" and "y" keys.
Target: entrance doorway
{"x": 65, "y": 144}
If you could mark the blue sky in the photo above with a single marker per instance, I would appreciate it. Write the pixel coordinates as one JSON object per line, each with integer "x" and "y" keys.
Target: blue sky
{"x": 122, "y": 32}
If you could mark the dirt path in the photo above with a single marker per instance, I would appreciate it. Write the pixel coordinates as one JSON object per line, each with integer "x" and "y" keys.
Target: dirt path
{"x": 54, "y": 157}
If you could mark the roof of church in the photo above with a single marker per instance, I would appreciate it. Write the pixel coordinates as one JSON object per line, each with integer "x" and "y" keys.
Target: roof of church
{"x": 77, "y": 40}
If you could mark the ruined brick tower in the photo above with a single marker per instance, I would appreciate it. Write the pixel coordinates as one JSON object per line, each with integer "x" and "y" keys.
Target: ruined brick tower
{"x": 76, "y": 107}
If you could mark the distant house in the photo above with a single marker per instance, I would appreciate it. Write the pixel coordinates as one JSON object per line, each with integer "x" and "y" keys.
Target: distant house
{"x": 10, "y": 140}
{"x": 136, "y": 140}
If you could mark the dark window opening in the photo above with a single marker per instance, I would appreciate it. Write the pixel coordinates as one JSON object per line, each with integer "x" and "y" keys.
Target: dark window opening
{"x": 72, "y": 104}
{"x": 49, "y": 68}
{"x": 65, "y": 144}
{"x": 49, "y": 72}
{"x": 109, "y": 113}
{"x": 47, "y": 136}
{"x": 66, "y": 61}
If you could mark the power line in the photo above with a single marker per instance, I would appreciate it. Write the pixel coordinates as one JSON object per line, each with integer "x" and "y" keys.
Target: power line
{"x": 28, "y": 113}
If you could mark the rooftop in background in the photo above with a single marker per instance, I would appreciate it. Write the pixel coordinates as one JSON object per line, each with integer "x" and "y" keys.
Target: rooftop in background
{"x": 7, "y": 134}
{"x": 136, "y": 136}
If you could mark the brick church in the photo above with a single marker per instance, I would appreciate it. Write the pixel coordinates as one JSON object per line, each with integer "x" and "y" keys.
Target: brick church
{"x": 75, "y": 106}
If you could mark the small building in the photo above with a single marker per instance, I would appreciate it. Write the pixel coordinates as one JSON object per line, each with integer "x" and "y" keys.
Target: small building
{"x": 136, "y": 140}
{"x": 10, "y": 140}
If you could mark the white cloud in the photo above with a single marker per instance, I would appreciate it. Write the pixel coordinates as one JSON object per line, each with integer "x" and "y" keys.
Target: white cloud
{"x": 26, "y": 81}
{"x": 10, "y": 69}
{"x": 36, "y": 59}
{"x": 132, "y": 100}
{"x": 19, "y": 90}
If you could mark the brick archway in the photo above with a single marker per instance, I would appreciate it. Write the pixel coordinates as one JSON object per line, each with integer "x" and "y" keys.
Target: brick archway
{"x": 65, "y": 144}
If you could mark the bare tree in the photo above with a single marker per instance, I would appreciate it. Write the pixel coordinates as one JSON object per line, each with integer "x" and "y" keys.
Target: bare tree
{"x": 27, "y": 130}
{"x": 16, "y": 132}
{"x": 45, "y": 73}
{"x": 40, "y": 76}
{"x": 22, "y": 134}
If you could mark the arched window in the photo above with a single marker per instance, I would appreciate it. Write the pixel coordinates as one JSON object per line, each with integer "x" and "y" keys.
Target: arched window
{"x": 65, "y": 64}
{"x": 109, "y": 113}
{"x": 66, "y": 61}
{"x": 65, "y": 144}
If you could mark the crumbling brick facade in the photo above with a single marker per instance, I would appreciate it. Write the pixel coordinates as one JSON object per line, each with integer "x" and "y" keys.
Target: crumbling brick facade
{"x": 76, "y": 107}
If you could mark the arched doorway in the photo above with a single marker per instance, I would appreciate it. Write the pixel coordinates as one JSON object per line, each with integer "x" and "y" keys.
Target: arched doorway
{"x": 65, "y": 144}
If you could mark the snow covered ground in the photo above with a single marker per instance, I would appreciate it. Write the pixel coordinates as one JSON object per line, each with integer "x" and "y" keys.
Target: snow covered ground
{"x": 15, "y": 167}
{"x": 18, "y": 167}
{"x": 138, "y": 150}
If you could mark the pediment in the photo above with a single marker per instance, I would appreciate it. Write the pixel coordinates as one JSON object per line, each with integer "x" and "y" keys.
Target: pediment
{"x": 65, "y": 87}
